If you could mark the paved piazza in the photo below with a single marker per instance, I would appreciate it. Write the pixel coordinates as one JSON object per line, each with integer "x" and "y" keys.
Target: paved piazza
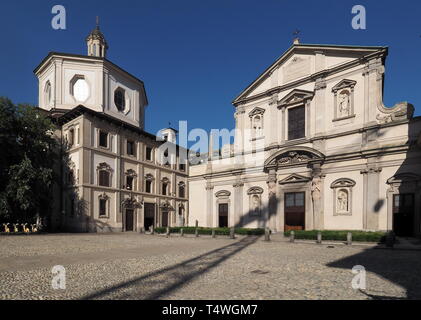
{"x": 133, "y": 266}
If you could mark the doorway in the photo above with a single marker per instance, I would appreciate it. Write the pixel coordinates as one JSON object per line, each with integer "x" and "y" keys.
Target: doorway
{"x": 223, "y": 215}
{"x": 149, "y": 216}
{"x": 129, "y": 220}
{"x": 295, "y": 211}
{"x": 164, "y": 219}
{"x": 403, "y": 214}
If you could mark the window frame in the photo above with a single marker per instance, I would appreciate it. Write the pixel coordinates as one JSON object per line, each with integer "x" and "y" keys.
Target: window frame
{"x": 293, "y": 120}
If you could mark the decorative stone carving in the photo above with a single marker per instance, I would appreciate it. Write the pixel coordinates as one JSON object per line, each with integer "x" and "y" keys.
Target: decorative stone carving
{"x": 316, "y": 190}
{"x": 104, "y": 166}
{"x": 401, "y": 111}
{"x": 293, "y": 156}
{"x": 131, "y": 173}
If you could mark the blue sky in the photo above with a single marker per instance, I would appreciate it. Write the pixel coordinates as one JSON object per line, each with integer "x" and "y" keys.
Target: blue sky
{"x": 196, "y": 56}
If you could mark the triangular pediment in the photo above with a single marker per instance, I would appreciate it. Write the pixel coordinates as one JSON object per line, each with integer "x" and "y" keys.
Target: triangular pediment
{"x": 296, "y": 96}
{"x": 295, "y": 178}
{"x": 256, "y": 111}
{"x": 344, "y": 84}
{"x": 298, "y": 63}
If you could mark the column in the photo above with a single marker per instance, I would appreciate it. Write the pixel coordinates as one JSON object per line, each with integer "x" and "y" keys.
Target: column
{"x": 238, "y": 204}
{"x": 372, "y": 202}
{"x": 317, "y": 199}
{"x": 209, "y": 205}
{"x": 272, "y": 203}
{"x": 320, "y": 112}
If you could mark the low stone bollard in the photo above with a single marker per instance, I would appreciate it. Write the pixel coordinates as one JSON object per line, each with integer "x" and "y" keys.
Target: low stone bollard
{"x": 196, "y": 232}
{"x": 319, "y": 238}
{"x": 292, "y": 237}
{"x": 232, "y": 233}
{"x": 152, "y": 231}
{"x": 267, "y": 234}
{"x": 181, "y": 232}
{"x": 213, "y": 234}
{"x": 390, "y": 239}
{"x": 349, "y": 239}
{"x": 168, "y": 232}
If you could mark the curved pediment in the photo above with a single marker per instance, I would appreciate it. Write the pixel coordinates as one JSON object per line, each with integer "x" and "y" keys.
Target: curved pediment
{"x": 293, "y": 156}
{"x": 222, "y": 193}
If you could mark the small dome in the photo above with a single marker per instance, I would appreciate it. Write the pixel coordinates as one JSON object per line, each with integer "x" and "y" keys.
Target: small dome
{"x": 96, "y": 34}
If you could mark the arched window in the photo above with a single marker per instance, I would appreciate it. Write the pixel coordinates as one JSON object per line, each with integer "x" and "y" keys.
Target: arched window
{"x": 47, "y": 93}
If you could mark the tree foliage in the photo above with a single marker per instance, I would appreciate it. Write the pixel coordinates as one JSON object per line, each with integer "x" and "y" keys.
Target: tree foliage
{"x": 28, "y": 152}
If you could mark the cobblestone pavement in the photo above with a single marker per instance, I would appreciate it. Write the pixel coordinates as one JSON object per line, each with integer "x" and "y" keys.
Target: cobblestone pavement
{"x": 133, "y": 266}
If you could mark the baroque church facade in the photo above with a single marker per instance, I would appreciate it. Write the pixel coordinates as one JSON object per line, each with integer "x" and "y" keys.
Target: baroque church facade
{"x": 315, "y": 148}
{"x": 115, "y": 175}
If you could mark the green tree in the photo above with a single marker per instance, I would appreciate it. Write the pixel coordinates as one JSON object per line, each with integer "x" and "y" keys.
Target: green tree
{"x": 29, "y": 151}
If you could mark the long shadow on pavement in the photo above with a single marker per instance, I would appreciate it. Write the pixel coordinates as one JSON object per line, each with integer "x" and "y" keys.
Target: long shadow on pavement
{"x": 157, "y": 284}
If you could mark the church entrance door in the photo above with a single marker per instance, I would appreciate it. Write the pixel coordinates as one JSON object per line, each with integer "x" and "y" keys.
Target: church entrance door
{"x": 403, "y": 214}
{"x": 129, "y": 220}
{"x": 295, "y": 211}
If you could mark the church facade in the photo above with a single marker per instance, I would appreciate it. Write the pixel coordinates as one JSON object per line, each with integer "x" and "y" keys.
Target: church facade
{"x": 315, "y": 148}
{"x": 115, "y": 176}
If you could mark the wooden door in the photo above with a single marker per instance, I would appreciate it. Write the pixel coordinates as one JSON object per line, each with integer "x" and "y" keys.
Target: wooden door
{"x": 129, "y": 220}
{"x": 295, "y": 211}
{"x": 165, "y": 219}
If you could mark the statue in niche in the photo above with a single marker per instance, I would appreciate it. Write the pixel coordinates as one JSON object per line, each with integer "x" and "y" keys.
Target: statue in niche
{"x": 255, "y": 202}
{"x": 344, "y": 104}
{"x": 343, "y": 201}
{"x": 257, "y": 125}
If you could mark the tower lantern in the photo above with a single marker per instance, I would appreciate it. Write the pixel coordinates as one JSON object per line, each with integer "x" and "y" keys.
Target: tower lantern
{"x": 97, "y": 45}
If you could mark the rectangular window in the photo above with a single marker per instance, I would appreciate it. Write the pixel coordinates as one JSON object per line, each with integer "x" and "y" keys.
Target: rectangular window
{"x": 149, "y": 153}
{"x": 102, "y": 207}
{"x": 129, "y": 183}
{"x": 181, "y": 192}
{"x": 296, "y": 123}
{"x": 148, "y": 186}
{"x": 182, "y": 167}
{"x": 164, "y": 189}
{"x": 103, "y": 139}
{"x": 104, "y": 178}
{"x": 130, "y": 148}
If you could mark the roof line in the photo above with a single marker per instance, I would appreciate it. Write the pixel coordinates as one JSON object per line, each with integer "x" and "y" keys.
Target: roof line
{"x": 298, "y": 46}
